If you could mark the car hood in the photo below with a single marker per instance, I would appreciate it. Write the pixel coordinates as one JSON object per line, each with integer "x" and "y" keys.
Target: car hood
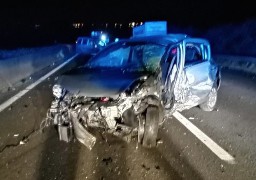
{"x": 99, "y": 82}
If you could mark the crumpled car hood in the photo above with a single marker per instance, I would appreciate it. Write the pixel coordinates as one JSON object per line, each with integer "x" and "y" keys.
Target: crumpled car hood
{"x": 98, "y": 82}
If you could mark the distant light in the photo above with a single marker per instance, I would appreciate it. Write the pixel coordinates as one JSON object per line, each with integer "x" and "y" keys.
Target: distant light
{"x": 116, "y": 39}
{"x": 37, "y": 26}
{"x": 103, "y": 37}
{"x": 101, "y": 43}
{"x": 78, "y": 25}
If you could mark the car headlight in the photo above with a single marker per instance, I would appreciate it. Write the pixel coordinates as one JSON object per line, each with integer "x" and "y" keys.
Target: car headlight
{"x": 58, "y": 91}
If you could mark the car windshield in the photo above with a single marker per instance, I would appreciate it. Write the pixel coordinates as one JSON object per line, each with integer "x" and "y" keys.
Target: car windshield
{"x": 129, "y": 56}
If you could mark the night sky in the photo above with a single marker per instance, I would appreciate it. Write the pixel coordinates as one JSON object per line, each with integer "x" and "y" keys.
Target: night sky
{"x": 16, "y": 16}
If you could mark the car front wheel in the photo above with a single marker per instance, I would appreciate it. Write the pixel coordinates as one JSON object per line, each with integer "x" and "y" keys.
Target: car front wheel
{"x": 211, "y": 101}
{"x": 151, "y": 127}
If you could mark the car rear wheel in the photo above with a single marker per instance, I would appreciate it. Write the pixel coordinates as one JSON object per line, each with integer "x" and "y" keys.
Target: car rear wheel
{"x": 211, "y": 101}
{"x": 151, "y": 127}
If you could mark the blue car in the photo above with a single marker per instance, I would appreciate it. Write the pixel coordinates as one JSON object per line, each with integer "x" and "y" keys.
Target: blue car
{"x": 130, "y": 87}
{"x": 87, "y": 45}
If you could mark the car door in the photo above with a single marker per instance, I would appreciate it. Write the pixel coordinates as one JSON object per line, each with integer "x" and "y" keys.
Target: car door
{"x": 196, "y": 69}
{"x": 172, "y": 66}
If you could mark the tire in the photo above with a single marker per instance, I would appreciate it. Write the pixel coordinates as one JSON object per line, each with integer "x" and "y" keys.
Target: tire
{"x": 151, "y": 127}
{"x": 211, "y": 101}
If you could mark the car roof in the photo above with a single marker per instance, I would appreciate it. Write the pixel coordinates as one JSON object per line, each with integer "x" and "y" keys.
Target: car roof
{"x": 159, "y": 39}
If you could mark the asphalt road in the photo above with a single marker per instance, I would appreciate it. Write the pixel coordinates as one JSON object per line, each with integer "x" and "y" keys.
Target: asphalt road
{"x": 26, "y": 152}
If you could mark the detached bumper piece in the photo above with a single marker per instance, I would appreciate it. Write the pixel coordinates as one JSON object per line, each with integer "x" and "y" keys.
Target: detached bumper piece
{"x": 71, "y": 127}
{"x": 81, "y": 133}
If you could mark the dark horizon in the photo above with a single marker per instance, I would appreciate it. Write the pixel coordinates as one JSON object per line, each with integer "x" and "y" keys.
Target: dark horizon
{"x": 22, "y": 34}
{"x": 42, "y": 22}
{"x": 184, "y": 12}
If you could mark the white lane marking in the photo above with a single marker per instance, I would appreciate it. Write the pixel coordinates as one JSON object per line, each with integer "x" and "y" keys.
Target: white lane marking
{"x": 214, "y": 147}
{"x": 31, "y": 86}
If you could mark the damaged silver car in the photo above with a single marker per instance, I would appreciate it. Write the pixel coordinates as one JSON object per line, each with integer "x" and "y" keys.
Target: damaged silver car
{"x": 132, "y": 86}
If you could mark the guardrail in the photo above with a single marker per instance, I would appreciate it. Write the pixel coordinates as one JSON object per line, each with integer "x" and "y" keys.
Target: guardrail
{"x": 15, "y": 69}
{"x": 241, "y": 63}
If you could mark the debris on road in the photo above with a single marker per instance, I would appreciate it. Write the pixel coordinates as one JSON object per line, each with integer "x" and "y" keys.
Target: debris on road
{"x": 107, "y": 160}
{"x": 157, "y": 167}
{"x": 160, "y": 141}
{"x": 222, "y": 168}
{"x": 22, "y": 142}
{"x": 145, "y": 167}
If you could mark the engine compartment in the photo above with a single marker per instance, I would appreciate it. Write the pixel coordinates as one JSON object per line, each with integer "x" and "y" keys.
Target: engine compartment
{"x": 74, "y": 115}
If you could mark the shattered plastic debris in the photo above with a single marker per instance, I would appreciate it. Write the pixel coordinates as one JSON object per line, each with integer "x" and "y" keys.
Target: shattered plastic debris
{"x": 90, "y": 114}
{"x": 22, "y": 142}
{"x": 191, "y": 118}
{"x": 160, "y": 141}
{"x": 222, "y": 168}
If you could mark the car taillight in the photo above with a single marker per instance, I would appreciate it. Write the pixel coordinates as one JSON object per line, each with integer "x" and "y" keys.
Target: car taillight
{"x": 104, "y": 99}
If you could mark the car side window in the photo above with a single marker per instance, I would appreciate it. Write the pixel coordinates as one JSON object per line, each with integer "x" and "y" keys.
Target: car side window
{"x": 193, "y": 54}
{"x": 90, "y": 43}
{"x": 82, "y": 41}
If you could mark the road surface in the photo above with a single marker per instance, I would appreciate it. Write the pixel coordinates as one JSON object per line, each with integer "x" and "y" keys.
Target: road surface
{"x": 26, "y": 152}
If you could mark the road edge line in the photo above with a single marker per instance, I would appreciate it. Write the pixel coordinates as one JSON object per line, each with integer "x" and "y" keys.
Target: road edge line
{"x": 213, "y": 146}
